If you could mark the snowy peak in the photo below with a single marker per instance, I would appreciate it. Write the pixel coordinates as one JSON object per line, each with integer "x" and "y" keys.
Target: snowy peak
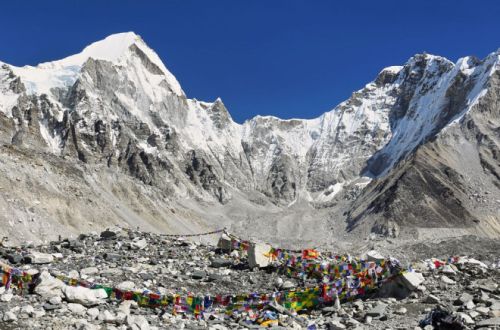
{"x": 118, "y": 49}
{"x": 109, "y": 49}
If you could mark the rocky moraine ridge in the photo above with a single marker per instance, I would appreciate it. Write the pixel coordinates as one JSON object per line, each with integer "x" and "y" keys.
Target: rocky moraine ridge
{"x": 462, "y": 295}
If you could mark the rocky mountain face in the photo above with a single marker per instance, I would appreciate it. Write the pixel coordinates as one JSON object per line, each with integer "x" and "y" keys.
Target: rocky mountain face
{"x": 108, "y": 136}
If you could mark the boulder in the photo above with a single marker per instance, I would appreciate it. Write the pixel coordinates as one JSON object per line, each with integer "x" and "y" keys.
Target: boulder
{"x": 377, "y": 311}
{"x": 112, "y": 257}
{"x": 126, "y": 305}
{"x": 402, "y": 286}
{"x": 432, "y": 299}
{"x": 219, "y": 263}
{"x": 257, "y": 255}
{"x": 483, "y": 310}
{"x": 58, "y": 256}
{"x": 126, "y": 286}
{"x": 74, "y": 274}
{"x": 469, "y": 305}
{"x": 464, "y": 298}
{"x": 446, "y": 280}
{"x": 50, "y": 307}
{"x": 107, "y": 317}
{"x": 465, "y": 318}
{"x": 412, "y": 280}
{"x": 39, "y": 313}
{"x": 77, "y": 309}
{"x": 89, "y": 271}
{"x": 139, "y": 244}
{"x": 49, "y": 286}
{"x": 489, "y": 322}
{"x": 401, "y": 311}
{"x": 108, "y": 234}
{"x": 6, "y": 297}
{"x": 472, "y": 261}
{"x": 9, "y": 316}
{"x": 137, "y": 322}
{"x": 374, "y": 255}
{"x": 224, "y": 243}
{"x": 15, "y": 258}
{"x": 93, "y": 313}
{"x": 198, "y": 274}
{"x": 335, "y": 324}
{"x": 86, "y": 297}
{"x": 27, "y": 311}
{"x": 39, "y": 258}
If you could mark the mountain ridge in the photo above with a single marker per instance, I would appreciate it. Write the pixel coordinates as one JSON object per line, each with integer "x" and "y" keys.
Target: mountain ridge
{"x": 130, "y": 115}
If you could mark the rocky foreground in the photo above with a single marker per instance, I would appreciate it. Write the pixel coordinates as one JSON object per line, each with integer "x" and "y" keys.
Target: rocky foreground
{"x": 464, "y": 294}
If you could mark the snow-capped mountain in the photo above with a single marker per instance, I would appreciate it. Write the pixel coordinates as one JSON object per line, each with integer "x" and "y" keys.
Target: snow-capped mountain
{"x": 116, "y": 126}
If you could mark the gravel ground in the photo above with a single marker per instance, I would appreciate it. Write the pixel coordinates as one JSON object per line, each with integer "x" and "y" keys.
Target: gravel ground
{"x": 468, "y": 292}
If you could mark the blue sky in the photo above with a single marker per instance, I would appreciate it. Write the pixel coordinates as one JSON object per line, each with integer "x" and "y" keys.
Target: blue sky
{"x": 284, "y": 58}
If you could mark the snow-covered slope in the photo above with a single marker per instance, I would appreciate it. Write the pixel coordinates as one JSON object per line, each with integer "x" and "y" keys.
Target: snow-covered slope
{"x": 115, "y": 104}
{"x": 63, "y": 73}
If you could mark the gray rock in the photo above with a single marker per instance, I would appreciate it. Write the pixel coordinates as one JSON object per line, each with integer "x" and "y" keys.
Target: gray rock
{"x": 489, "y": 322}
{"x": 15, "y": 258}
{"x": 215, "y": 277}
{"x": 39, "y": 258}
{"x": 412, "y": 280}
{"x": 432, "y": 299}
{"x": 27, "y": 311}
{"x": 56, "y": 300}
{"x": 108, "y": 234}
{"x": 466, "y": 318}
{"x": 469, "y": 305}
{"x": 401, "y": 311}
{"x": 50, "y": 307}
{"x": 93, "y": 313}
{"x": 257, "y": 255}
{"x": 112, "y": 257}
{"x": 106, "y": 316}
{"x": 139, "y": 244}
{"x": 446, "y": 280}
{"x": 335, "y": 325}
{"x": 73, "y": 274}
{"x": 49, "y": 286}
{"x": 89, "y": 271}
{"x": 77, "y": 309}
{"x": 137, "y": 322}
{"x": 198, "y": 274}
{"x": 9, "y": 317}
{"x": 39, "y": 313}
{"x": 482, "y": 310}
{"x": 378, "y": 310}
{"x": 126, "y": 286}
{"x": 86, "y": 297}
{"x": 224, "y": 243}
{"x": 6, "y": 297}
{"x": 373, "y": 255}
{"x": 464, "y": 298}
{"x": 220, "y": 263}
